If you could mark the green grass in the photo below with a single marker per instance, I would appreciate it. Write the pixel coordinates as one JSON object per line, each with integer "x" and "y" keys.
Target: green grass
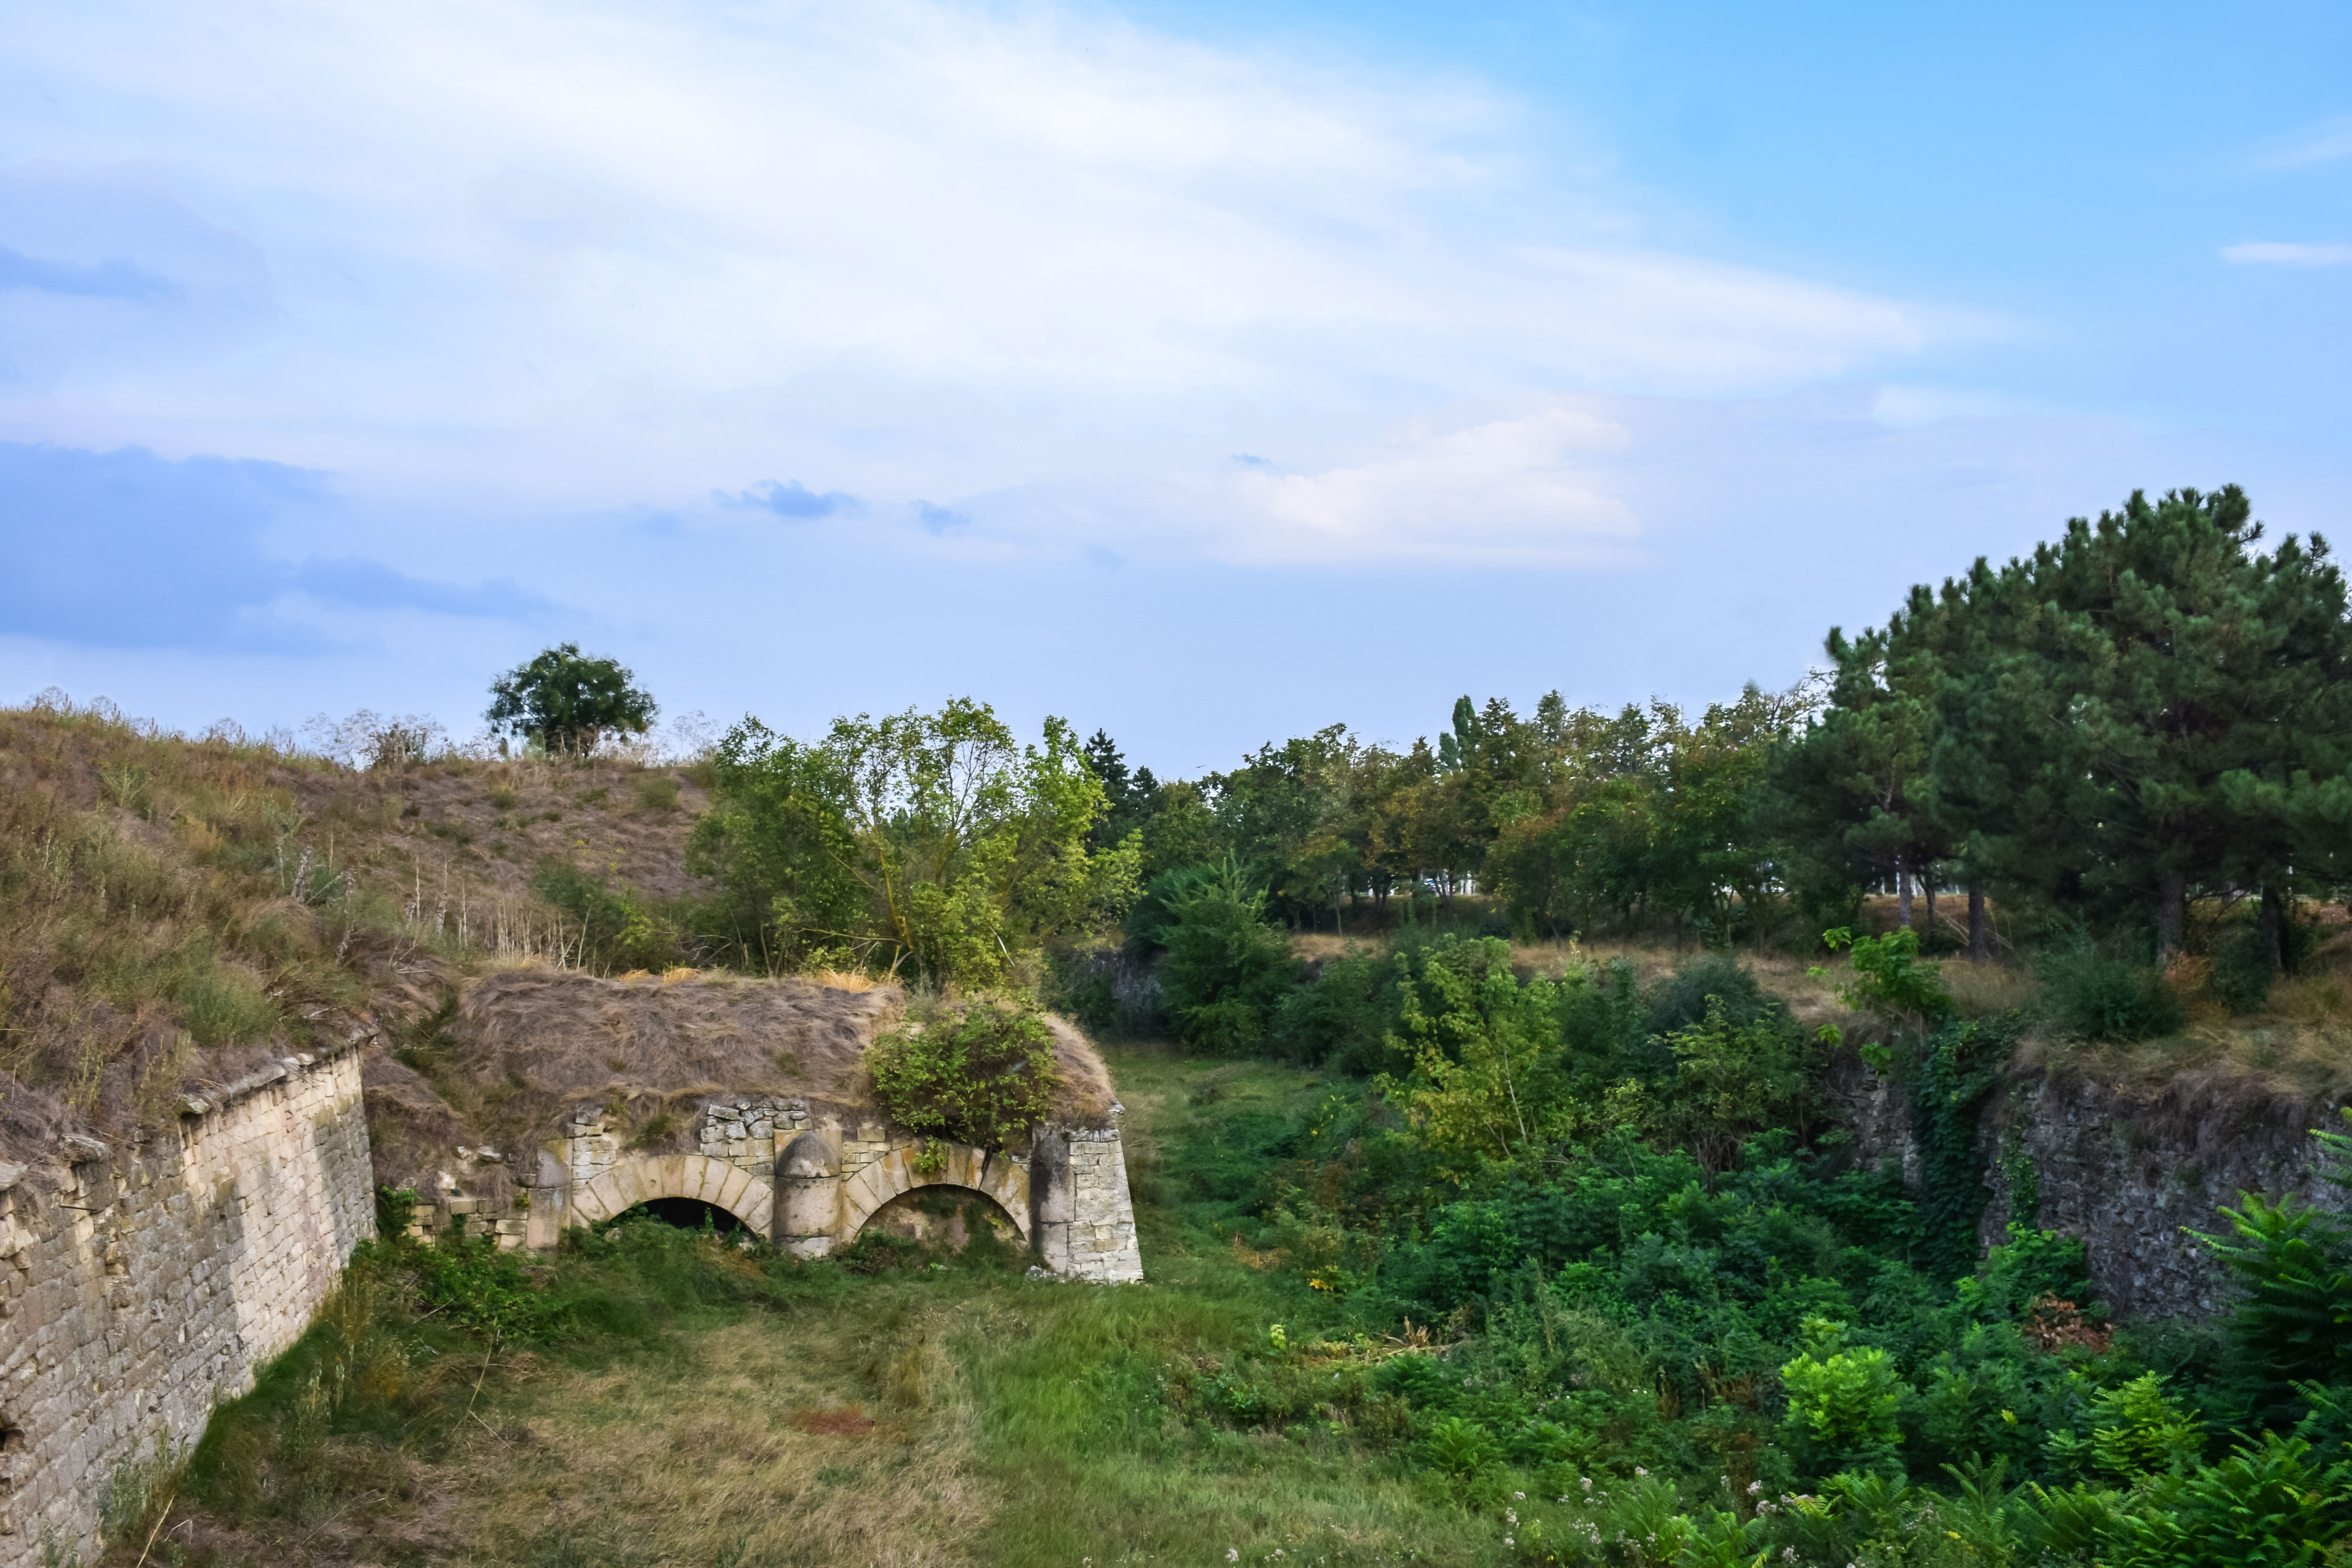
{"x": 1094, "y": 1457}
{"x": 649, "y": 1401}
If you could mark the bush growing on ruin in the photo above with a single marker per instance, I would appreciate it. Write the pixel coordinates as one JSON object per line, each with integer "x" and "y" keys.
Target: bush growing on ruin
{"x": 984, "y": 1076}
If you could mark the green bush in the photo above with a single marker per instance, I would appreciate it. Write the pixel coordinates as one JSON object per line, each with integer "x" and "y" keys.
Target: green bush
{"x": 1338, "y": 1018}
{"x": 2104, "y": 999}
{"x": 2268, "y": 1503}
{"x": 618, "y": 930}
{"x": 657, "y": 792}
{"x": 1842, "y": 1404}
{"x": 1713, "y": 981}
{"x": 983, "y": 1076}
{"x": 2294, "y": 1263}
{"x": 1226, "y": 969}
{"x": 1153, "y": 913}
{"x": 1462, "y": 1451}
{"x": 2134, "y": 1433}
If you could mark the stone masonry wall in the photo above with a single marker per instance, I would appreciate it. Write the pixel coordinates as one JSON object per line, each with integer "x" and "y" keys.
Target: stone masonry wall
{"x": 141, "y": 1285}
{"x": 1101, "y": 1240}
{"x": 2131, "y": 1175}
{"x": 1084, "y": 1226}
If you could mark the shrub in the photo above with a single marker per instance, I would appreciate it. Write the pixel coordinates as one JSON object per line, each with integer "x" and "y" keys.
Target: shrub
{"x": 1842, "y": 1404}
{"x": 2104, "y": 999}
{"x": 2030, "y": 1266}
{"x": 617, "y": 930}
{"x": 1717, "y": 980}
{"x": 1337, "y": 1018}
{"x": 984, "y": 1077}
{"x": 2268, "y": 1503}
{"x": 1226, "y": 968}
{"x": 1735, "y": 1078}
{"x": 1153, "y": 915}
{"x": 2295, "y": 1319}
{"x": 1462, "y": 1451}
{"x": 2136, "y": 1432}
{"x": 657, "y": 792}
{"x": 2242, "y": 967}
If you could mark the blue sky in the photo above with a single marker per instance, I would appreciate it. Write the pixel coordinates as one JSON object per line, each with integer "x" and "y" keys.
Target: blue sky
{"x": 1208, "y": 372}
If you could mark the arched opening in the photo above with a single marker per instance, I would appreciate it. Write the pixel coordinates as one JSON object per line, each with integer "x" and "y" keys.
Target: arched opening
{"x": 686, "y": 1214}
{"x": 939, "y": 1223}
{"x": 703, "y": 1182}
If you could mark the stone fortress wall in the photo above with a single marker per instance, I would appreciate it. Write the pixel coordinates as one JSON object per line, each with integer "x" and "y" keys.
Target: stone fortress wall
{"x": 809, "y": 1177}
{"x": 2132, "y": 1174}
{"x": 141, "y": 1285}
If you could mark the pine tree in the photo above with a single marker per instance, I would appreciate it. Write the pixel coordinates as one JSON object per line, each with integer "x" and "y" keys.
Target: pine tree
{"x": 2147, "y": 710}
{"x": 1850, "y": 792}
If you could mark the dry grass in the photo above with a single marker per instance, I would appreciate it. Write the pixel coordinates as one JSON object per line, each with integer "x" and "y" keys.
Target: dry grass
{"x": 527, "y": 1044}
{"x": 747, "y": 1447}
{"x": 741, "y": 1443}
{"x": 1983, "y": 990}
{"x": 176, "y": 908}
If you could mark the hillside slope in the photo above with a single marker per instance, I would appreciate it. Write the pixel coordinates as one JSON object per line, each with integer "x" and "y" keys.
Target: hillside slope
{"x": 174, "y": 911}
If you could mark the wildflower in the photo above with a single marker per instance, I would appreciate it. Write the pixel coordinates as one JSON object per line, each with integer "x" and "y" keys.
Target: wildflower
{"x": 1585, "y": 1481}
{"x": 1233, "y": 1553}
{"x": 1511, "y": 1517}
{"x": 1519, "y": 1497}
{"x": 1754, "y": 1487}
{"x": 1640, "y": 1471}
{"x": 1507, "y": 1541}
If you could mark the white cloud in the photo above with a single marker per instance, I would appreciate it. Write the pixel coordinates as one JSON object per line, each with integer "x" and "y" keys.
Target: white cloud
{"x": 543, "y": 256}
{"x": 2265, "y": 253}
{"x": 1506, "y": 490}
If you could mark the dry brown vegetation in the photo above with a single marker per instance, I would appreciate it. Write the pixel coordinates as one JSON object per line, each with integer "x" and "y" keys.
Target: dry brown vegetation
{"x": 521, "y": 1044}
{"x": 746, "y": 1442}
{"x": 175, "y": 912}
{"x": 746, "y": 1446}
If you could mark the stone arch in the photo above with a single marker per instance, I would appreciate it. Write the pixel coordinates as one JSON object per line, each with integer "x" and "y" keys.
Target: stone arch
{"x": 947, "y": 1213}
{"x": 714, "y": 1181}
{"x": 993, "y": 1177}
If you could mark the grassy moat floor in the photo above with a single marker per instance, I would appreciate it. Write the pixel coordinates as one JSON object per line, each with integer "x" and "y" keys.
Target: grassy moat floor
{"x": 714, "y": 1409}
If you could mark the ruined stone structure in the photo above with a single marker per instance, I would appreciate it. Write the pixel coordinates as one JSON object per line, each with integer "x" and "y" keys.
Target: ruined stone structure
{"x": 809, "y": 1179}
{"x": 139, "y": 1286}
{"x": 2131, "y": 1175}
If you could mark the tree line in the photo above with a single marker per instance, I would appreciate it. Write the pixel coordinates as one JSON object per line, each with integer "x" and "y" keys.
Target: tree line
{"x": 2142, "y": 724}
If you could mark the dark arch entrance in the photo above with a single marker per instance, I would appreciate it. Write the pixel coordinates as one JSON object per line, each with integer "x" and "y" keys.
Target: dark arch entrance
{"x": 946, "y": 1217}
{"x": 687, "y": 1213}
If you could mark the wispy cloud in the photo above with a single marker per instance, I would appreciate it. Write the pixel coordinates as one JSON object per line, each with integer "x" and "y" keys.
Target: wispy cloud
{"x": 1508, "y": 490}
{"x": 2270, "y": 253}
{"x": 355, "y": 584}
{"x": 939, "y": 521}
{"x": 2322, "y": 143}
{"x": 112, "y": 280}
{"x": 920, "y": 247}
{"x": 791, "y": 499}
{"x": 125, "y": 548}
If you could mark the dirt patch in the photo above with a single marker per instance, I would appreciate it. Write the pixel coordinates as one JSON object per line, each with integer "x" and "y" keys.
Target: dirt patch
{"x": 846, "y": 1421}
